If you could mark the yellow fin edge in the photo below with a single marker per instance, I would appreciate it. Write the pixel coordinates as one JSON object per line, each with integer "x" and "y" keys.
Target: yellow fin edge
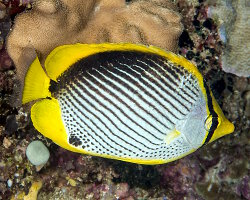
{"x": 46, "y": 118}
{"x": 36, "y": 83}
{"x": 62, "y": 57}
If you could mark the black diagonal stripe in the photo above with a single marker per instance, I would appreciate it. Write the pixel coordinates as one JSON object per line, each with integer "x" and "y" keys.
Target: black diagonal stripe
{"x": 151, "y": 68}
{"x": 177, "y": 69}
{"x": 101, "y": 86}
{"x": 117, "y": 88}
{"x": 168, "y": 72}
{"x": 139, "y": 65}
{"x": 193, "y": 89}
{"x": 71, "y": 87}
{"x": 184, "y": 73}
{"x": 92, "y": 138}
{"x": 164, "y": 90}
{"x": 215, "y": 122}
{"x": 193, "y": 83}
{"x": 165, "y": 71}
{"x": 171, "y": 67}
{"x": 180, "y": 70}
{"x": 94, "y": 124}
{"x": 122, "y": 71}
{"x": 85, "y": 124}
{"x": 97, "y": 117}
{"x": 111, "y": 111}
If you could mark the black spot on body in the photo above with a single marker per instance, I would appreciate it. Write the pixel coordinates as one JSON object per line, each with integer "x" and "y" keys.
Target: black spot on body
{"x": 75, "y": 140}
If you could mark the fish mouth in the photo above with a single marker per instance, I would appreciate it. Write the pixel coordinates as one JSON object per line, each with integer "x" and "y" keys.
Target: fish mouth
{"x": 224, "y": 128}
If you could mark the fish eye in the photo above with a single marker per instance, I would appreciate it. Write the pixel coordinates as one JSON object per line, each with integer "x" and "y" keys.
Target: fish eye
{"x": 208, "y": 122}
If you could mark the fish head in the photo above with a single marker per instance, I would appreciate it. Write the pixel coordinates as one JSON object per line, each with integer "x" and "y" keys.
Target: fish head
{"x": 192, "y": 126}
{"x": 197, "y": 125}
{"x": 224, "y": 126}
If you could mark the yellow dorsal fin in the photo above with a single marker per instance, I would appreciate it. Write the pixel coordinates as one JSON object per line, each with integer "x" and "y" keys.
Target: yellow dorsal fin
{"x": 36, "y": 83}
{"x": 62, "y": 57}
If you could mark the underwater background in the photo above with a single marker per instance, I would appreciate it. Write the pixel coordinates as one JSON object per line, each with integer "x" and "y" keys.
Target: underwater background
{"x": 216, "y": 38}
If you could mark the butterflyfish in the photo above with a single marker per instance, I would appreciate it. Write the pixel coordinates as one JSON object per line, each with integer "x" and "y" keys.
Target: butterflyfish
{"x": 128, "y": 102}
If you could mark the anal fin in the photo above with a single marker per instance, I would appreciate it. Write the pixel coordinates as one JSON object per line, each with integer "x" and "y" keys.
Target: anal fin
{"x": 46, "y": 118}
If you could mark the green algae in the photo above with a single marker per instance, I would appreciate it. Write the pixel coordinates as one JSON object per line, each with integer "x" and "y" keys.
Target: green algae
{"x": 213, "y": 191}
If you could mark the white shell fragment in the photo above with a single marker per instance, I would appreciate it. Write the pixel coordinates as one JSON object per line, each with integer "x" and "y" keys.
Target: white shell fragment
{"x": 37, "y": 153}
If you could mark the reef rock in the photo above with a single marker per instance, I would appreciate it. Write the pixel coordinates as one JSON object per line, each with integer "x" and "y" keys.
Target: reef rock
{"x": 234, "y": 20}
{"x": 51, "y": 23}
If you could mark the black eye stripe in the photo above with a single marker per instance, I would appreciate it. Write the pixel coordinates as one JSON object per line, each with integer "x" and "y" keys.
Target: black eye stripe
{"x": 213, "y": 113}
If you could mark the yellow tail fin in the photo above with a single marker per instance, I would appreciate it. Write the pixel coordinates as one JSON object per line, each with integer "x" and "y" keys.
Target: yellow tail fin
{"x": 36, "y": 83}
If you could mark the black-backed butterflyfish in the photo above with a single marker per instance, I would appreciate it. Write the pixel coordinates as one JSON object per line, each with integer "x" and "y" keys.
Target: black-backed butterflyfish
{"x": 128, "y": 102}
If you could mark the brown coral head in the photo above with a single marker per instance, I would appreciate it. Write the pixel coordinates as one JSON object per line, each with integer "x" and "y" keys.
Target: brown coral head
{"x": 51, "y": 23}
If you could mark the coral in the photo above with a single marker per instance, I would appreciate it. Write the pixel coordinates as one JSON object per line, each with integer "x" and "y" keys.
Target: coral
{"x": 51, "y": 23}
{"x": 122, "y": 190}
{"x": 234, "y": 21}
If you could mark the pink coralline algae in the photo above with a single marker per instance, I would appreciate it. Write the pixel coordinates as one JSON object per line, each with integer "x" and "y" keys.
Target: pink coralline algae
{"x": 243, "y": 188}
{"x": 16, "y": 6}
{"x": 181, "y": 177}
{"x": 5, "y": 61}
{"x": 122, "y": 190}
